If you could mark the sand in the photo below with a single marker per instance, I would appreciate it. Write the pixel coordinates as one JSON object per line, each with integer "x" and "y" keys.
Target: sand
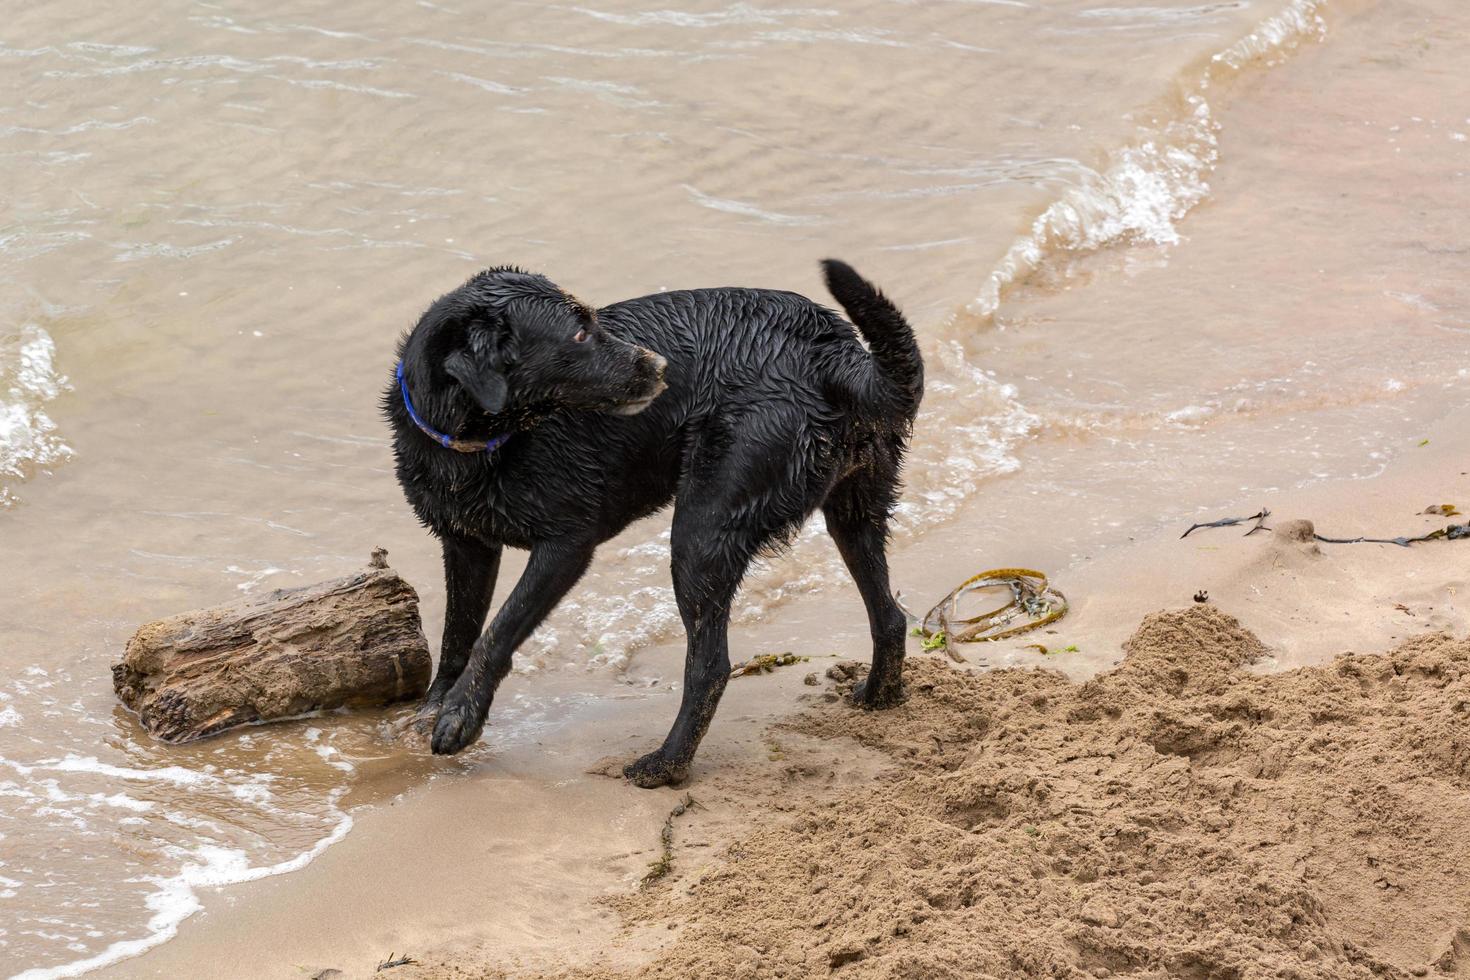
{"x": 1175, "y": 817}
{"x": 1178, "y": 816}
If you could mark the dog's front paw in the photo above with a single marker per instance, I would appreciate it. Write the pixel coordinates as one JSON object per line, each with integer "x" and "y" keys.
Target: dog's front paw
{"x": 458, "y": 725}
{"x": 878, "y": 694}
{"x": 653, "y": 770}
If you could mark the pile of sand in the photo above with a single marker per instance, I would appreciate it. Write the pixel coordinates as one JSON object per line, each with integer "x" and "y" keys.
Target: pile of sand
{"x": 1176, "y": 817}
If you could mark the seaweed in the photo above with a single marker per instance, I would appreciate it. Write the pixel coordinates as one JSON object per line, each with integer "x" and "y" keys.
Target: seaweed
{"x": 1450, "y": 532}
{"x": 765, "y": 663}
{"x": 660, "y": 869}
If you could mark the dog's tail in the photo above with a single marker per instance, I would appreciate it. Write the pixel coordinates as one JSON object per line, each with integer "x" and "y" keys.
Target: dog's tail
{"x": 889, "y": 336}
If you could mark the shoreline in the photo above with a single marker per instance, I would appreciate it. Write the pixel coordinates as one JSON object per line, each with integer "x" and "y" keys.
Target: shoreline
{"x": 578, "y": 840}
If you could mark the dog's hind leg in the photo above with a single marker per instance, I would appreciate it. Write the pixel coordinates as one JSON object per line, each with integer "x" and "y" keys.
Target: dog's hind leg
{"x": 470, "y": 570}
{"x": 554, "y": 567}
{"x": 857, "y": 519}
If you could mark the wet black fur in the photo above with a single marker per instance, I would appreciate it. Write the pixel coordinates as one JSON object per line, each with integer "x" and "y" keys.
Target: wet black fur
{"x": 773, "y": 409}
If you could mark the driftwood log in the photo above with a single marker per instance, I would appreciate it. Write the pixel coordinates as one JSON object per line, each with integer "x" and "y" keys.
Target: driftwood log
{"x": 354, "y": 641}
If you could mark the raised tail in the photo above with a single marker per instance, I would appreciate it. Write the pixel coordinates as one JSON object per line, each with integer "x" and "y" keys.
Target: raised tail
{"x": 889, "y": 336}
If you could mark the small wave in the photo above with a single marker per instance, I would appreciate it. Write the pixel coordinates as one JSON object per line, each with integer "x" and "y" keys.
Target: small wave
{"x": 1137, "y": 197}
{"x": 134, "y": 251}
{"x": 740, "y": 13}
{"x": 748, "y": 210}
{"x": 28, "y": 380}
{"x": 1300, "y": 19}
{"x": 1162, "y": 13}
{"x": 176, "y": 897}
{"x": 180, "y": 850}
{"x": 499, "y": 88}
{"x": 1144, "y": 188}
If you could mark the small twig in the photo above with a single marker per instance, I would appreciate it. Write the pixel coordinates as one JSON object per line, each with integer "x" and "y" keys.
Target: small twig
{"x": 395, "y": 960}
{"x": 1259, "y": 518}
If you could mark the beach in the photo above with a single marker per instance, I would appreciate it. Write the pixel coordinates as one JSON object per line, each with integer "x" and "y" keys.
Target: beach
{"x": 1167, "y": 263}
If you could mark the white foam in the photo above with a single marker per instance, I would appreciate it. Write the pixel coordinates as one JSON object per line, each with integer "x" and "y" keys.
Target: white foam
{"x": 1300, "y": 19}
{"x": 252, "y": 578}
{"x": 28, "y": 380}
{"x": 1144, "y": 189}
{"x": 178, "y": 775}
{"x": 122, "y": 802}
{"x": 1191, "y": 413}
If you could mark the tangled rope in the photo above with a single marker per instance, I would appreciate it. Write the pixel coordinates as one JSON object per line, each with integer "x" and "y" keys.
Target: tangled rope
{"x": 1031, "y": 596}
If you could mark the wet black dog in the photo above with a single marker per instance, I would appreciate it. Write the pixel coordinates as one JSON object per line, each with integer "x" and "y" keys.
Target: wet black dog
{"x": 522, "y": 417}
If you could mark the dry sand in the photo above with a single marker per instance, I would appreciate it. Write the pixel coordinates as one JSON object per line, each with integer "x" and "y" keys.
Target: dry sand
{"x": 1175, "y": 817}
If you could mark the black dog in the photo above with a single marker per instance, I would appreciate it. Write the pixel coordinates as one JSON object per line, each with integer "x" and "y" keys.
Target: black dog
{"x": 522, "y": 417}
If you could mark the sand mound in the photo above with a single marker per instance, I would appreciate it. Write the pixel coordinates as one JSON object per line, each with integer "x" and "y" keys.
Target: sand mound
{"x": 1176, "y": 817}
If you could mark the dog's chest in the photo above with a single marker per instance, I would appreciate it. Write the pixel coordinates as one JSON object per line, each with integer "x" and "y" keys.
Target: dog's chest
{"x": 499, "y": 504}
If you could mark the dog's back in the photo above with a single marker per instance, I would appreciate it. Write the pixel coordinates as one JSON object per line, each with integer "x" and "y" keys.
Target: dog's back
{"x": 753, "y": 345}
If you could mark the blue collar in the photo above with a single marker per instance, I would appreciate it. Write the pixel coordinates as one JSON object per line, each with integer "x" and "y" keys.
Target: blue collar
{"x": 448, "y": 442}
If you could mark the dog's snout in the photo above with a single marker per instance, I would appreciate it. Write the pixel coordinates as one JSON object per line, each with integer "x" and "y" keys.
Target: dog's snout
{"x": 653, "y": 367}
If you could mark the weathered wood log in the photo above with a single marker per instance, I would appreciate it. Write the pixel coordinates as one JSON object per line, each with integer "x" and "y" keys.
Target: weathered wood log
{"x": 355, "y": 641}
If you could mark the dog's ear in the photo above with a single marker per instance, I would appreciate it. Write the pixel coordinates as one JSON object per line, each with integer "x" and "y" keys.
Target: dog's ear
{"x": 485, "y": 384}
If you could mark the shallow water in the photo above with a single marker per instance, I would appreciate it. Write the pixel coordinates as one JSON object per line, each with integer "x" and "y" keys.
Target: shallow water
{"x": 1158, "y": 254}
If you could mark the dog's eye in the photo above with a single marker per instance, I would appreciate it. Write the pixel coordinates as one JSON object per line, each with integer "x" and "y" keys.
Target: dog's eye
{"x": 581, "y": 335}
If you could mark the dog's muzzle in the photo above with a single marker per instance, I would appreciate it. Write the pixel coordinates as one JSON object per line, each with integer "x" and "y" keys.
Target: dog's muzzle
{"x": 658, "y": 365}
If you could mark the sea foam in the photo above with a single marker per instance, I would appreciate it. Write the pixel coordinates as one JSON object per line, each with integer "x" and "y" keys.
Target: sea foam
{"x": 28, "y": 380}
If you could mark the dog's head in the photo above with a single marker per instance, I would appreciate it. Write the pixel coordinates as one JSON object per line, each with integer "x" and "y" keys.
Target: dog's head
{"x": 512, "y": 340}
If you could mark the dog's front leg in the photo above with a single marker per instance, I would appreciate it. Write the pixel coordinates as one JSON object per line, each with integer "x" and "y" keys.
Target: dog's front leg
{"x": 470, "y": 570}
{"x": 553, "y": 569}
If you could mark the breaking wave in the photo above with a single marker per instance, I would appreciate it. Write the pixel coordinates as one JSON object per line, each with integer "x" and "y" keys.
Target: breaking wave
{"x": 28, "y": 380}
{"x": 1144, "y": 188}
